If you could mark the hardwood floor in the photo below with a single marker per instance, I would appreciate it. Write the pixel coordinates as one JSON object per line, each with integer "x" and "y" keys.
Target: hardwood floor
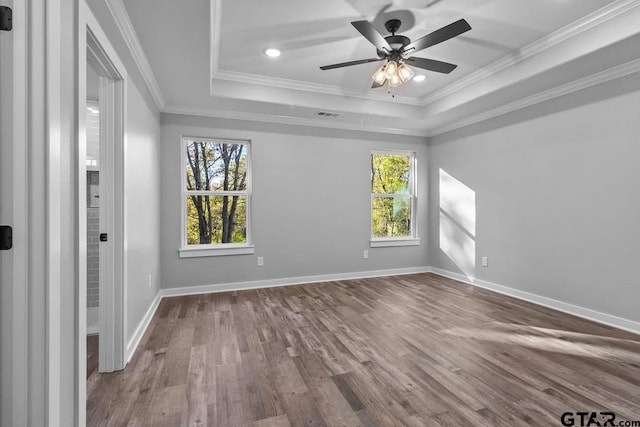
{"x": 410, "y": 350}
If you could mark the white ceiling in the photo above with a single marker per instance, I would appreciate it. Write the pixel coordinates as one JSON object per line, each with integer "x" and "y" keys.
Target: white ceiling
{"x": 206, "y": 57}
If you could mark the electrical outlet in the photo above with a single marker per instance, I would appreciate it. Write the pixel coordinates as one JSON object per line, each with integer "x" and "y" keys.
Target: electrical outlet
{"x": 485, "y": 261}
{"x": 260, "y": 261}
{"x": 365, "y": 254}
{"x": 149, "y": 280}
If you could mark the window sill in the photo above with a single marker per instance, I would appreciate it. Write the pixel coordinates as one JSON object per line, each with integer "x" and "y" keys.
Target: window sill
{"x": 216, "y": 251}
{"x": 382, "y": 243}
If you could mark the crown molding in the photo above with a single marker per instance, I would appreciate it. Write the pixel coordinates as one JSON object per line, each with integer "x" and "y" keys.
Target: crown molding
{"x": 277, "y": 82}
{"x": 612, "y": 10}
{"x": 289, "y": 120}
{"x": 214, "y": 35}
{"x": 120, "y": 15}
{"x": 546, "y": 95}
{"x": 583, "y": 24}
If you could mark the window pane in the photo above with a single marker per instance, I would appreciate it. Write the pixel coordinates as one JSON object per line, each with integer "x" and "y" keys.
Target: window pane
{"x": 391, "y": 216}
{"x": 390, "y": 173}
{"x": 216, "y": 219}
{"x": 216, "y": 166}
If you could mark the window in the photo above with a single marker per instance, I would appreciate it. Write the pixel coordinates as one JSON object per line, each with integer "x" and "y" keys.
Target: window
{"x": 216, "y": 196}
{"x": 393, "y": 200}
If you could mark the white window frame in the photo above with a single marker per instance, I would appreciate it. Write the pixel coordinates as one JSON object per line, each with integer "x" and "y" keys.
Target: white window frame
{"x": 213, "y": 249}
{"x": 413, "y": 239}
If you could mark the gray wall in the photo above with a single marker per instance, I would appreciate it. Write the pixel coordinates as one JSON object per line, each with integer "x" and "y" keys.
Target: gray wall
{"x": 142, "y": 175}
{"x": 556, "y": 198}
{"x": 142, "y": 203}
{"x": 310, "y": 206}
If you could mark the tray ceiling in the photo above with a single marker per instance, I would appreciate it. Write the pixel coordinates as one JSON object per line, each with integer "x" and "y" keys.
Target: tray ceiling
{"x": 206, "y": 57}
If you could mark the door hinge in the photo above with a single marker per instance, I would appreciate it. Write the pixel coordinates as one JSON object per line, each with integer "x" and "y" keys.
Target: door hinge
{"x": 6, "y": 18}
{"x": 6, "y": 237}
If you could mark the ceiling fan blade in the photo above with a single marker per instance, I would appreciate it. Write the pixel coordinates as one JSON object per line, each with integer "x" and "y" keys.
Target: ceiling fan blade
{"x": 370, "y": 33}
{"x": 439, "y": 36}
{"x": 375, "y": 84}
{"x": 350, "y": 63}
{"x": 432, "y": 65}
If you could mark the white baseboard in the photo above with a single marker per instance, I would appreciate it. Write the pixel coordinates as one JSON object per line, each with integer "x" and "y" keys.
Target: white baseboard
{"x": 586, "y": 313}
{"x": 132, "y": 345}
{"x": 93, "y": 320}
{"x": 269, "y": 283}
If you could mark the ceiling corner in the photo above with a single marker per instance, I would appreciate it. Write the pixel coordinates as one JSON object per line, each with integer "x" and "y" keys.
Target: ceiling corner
{"x": 121, "y": 17}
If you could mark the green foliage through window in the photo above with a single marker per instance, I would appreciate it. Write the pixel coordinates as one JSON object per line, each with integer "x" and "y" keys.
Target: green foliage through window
{"x": 216, "y": 192}
{"x": 391, "y": 195}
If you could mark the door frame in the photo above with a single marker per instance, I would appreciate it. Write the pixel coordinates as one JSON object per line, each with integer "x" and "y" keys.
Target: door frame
{"x": 46, "y": 365}
{"x": 95, "y": 49}
{"x": 14, "y": 401}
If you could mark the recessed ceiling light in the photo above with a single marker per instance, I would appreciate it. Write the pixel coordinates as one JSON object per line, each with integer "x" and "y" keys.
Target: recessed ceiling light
{"x": 419, "y": 78}
{"x": 272, "y": 52}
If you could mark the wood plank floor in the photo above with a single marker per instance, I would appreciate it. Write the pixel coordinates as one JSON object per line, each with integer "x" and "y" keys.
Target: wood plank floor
{"x": 397, "y": 351}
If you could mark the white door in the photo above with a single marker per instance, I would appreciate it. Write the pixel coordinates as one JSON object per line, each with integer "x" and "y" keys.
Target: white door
{"x": 6, "y": 141}
{"x": 6, "y": 218}
{"x": 12, "y": 292}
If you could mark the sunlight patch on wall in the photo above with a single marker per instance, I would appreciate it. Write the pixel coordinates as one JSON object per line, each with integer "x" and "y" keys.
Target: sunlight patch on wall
{"x": 458, "y": 223}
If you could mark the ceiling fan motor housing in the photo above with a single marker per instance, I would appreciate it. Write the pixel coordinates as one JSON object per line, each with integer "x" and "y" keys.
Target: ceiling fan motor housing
{"x": 393, "y": 25}
{"x": 397, "y": 43}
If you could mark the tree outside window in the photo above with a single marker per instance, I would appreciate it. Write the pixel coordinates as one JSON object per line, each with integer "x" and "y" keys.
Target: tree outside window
{"x": 216, "y": 192}
{"x": 392, "y": 195}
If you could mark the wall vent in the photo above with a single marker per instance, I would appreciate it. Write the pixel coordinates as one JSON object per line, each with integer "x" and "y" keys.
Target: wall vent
{"x": 328, "y": 114}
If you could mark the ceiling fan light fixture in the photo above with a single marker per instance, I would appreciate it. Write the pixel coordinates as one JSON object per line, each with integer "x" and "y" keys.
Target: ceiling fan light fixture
{"x": 379, "y": 76}
{"x": 391, "y": 69}
{"x": 395, "y": 81}
{"x": 405, "y": 72}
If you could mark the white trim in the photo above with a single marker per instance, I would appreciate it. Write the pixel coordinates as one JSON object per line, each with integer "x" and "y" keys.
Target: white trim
{"x": 216, "y": 250}
{"x": 383, "y": 243}
{"x": 290, "y": 281}
{"x": 589, "y": 314}
{"x": 288, "y": 120}
{"x": 546, "y": 95}
{"x": 121, "y": 17}
{"x": 214, "y": 39}
{"x": 113, "y": 283}
{"x": 83, "y": 313}
{"x": 133, "y": 343}
{"x": 16, "y": 365}
{"x": 585, "y": 313}
{"x": 413, "y": 239}
{"x": 576, "y": 28}
{"x": 539, "y": 46}
{"x": 281, "y": 83}
{"x": 598, "y": 17}
{"x": 257, "y": 284}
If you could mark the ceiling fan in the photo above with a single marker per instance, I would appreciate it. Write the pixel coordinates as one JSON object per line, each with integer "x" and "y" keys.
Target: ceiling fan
{"x": 397, "y": 50}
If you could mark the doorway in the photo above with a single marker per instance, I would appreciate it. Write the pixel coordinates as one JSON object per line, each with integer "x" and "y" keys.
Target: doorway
{"x": 92, "y": 126}
{"x": 101, "y": 130}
